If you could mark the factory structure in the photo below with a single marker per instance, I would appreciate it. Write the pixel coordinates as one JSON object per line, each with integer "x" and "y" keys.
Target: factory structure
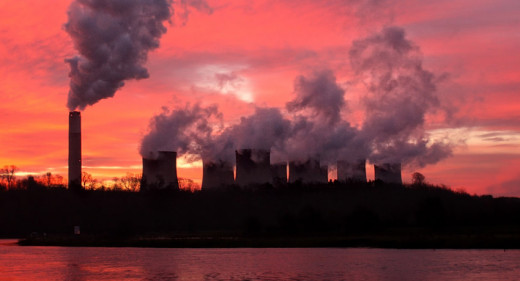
{"x": 160, "y": 172}
{"x": 253, "y": 167}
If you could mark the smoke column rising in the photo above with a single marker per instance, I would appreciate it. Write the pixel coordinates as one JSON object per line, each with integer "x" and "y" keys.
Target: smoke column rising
{"x": 318, "y": 130}
{"x": 184, "y": 130}
{"x": 400, "y": 93}
{"x": 113, "y": 38}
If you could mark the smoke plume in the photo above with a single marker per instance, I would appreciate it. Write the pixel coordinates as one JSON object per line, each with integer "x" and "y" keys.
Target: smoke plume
{"x": 318, "y": 130}
{"x": 185, "y": 130}
{"x": 113, "y": 38}
{"x": 400, "y": 93}
{"x": 320, "y": 94}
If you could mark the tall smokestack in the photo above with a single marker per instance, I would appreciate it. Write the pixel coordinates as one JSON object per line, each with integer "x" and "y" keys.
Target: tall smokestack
{"x": 388, "y": 173}
{"x": 352, "y": 171}
{"x": 216, "y": 174}
{"x": 160, "y": 172}
{"x": 253, "y": 167}
{"x": 74, "y": 150}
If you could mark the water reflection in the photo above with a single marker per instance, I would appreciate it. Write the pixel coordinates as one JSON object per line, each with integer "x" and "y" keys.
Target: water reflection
{"x": 63, "y": 263}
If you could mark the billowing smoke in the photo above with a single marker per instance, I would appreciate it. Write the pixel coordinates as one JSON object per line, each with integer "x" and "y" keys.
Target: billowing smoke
{"x": 400, "y": 95}
{"x": 185, "y": 130}
{"x": 113, "y": 38}
{"x": 321, "y": 95}
{"x": 318, "y": 130}
{"x": 265, "y": 129}
{"x": 190, "y": 131}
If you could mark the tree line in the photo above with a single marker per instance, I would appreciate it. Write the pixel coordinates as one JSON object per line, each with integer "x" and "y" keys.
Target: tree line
{"x": 129, "y": 182}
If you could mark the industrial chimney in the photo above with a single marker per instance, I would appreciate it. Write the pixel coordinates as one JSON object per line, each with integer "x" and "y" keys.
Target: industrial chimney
{"x": 74, "y": 150}
{"x": 216, "y": 174}
{"x": 253, "y": 167}
{"x": 160, "y": 172}
{"x": 352, "y": 171}
{"x": 388, "y": 173}
{"x": 309, "y": 171}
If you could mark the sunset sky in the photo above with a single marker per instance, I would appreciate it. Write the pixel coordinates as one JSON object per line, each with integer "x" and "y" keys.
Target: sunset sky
{"x": 472, "y": 46}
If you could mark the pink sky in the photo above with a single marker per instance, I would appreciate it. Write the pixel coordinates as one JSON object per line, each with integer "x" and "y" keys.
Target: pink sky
{"x": 266, "y": 44}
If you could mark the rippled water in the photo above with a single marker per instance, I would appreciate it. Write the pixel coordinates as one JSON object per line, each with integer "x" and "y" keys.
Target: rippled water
{"x": 65, "y": 263}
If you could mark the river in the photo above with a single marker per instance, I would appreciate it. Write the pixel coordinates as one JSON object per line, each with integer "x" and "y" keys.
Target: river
{"x": 81, "y": 263}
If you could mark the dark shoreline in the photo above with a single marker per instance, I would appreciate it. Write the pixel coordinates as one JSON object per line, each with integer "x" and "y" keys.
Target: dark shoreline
{"x": 332, "y": 215}
{"x": 421, "y": 241}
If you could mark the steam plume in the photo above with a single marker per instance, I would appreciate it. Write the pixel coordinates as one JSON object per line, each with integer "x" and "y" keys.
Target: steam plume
{"x": 113, "y": 38}
{"x": 186, "y": 130}
{"x": 322, "y": 134}
{"x": 400, "y": 95}
{"x": 320, "y": 94}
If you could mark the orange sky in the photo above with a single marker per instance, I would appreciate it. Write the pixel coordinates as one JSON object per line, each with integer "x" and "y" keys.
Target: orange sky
{"x": 267, "y": 44}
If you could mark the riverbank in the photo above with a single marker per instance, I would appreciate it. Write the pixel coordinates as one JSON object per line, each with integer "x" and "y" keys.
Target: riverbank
{"x": 332, "y": 215}
{"x": 384, "y": 240}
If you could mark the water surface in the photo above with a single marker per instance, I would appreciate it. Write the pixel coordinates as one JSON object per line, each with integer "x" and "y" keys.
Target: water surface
{"x": 81, "y": 263}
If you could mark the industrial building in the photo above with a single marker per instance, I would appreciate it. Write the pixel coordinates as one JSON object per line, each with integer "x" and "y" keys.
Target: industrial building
{"x": 388, "y": 173}
{"x": 307, "y": 172}
{"x": 160, "y": 172}
{"x": 253, "y": 167}
{"x": 216, "y": 174}
{"x": 349, "y": 171}
{"x": 279, "y": 173}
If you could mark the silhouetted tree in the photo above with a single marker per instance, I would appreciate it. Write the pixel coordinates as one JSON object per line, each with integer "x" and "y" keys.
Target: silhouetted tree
{"x": 49, "y": 180}
{"x": 418, "y": 178}
{"x": 188, "y": 184}
{"x": 131, "y": 182}
{"x": 87, "y": 181}
{"x": 7, "y": 175}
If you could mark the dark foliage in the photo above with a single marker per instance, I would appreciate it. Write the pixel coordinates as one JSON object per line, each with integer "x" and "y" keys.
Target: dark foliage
{"x": 294, "y": 210}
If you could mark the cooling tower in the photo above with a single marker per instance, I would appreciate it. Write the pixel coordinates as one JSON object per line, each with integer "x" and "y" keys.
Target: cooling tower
{"x": 216, "y": 174}
{"x": 309, "y": 171}
{"x": 279, "y": 173}
{"x": 74, "y": 150}
{"x": 388, "y": 173}
{"x": 160, "y": 173}
{"x": 352, "y": 171}
{"x": 253, "y": 167}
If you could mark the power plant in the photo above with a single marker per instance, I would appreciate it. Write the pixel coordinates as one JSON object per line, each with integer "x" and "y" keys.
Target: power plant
{"x": 160, "y": 172}
{"x": 253, "y": 167}
{"x": 279, "y": 173}
{"x": 388, "y": 173}
{"x": 351, "y": 171}
{"x": 216, "y": 174}
{"x": 74, "y": 150}
{"x": 309, "y": 171}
